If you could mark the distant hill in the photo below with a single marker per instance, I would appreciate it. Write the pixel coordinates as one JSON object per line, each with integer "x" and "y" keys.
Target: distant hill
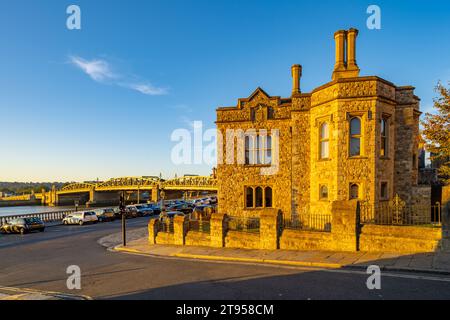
{"x": 27, "y": 187}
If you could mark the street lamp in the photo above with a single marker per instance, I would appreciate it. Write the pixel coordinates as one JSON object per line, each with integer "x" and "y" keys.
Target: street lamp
{"x": 122, "y": 209}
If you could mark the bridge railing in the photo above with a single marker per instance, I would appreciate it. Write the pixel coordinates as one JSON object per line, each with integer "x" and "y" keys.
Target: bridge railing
{"x": 44, "y": 216}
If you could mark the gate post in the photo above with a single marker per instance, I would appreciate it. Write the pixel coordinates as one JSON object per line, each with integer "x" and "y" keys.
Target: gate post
{"x": 345, "y": 227}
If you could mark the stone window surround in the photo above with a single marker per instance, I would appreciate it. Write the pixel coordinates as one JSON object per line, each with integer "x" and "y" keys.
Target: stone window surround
{"x": 255, "y": 148}
{"x": 318, "y": 125}
{"x": 321, "y": 198}
{"x": 387, "y": 118}
{"x": 387, "y": 191}
{"x": 350, "y": 190}
{"x": 263, "y": 187}
{"x": 360, "y": 116}
{"x": 323, "y": 139}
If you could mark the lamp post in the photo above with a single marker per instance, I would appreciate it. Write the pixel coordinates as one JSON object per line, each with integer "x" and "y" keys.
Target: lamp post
{"x": 123, "y": 213}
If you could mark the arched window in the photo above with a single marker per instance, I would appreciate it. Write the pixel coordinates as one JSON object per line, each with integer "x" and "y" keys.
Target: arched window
{"x": 355, "y": 137}
{"x": 323, "y": 192}
{"x": 384, "y": 137}
{"x": 258, "y": 197}
{"x": 324, "y": 141}
{"x": 249, "y": 197}
{"x": 268, "y": 197}
{"x": 354, "y": 191}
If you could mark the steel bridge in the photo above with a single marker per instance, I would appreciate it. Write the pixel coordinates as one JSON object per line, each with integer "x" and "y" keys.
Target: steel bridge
{"x": 129, "y": 184}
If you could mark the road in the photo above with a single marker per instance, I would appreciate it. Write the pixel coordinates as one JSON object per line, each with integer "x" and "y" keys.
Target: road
{"x": 39, "y": 261}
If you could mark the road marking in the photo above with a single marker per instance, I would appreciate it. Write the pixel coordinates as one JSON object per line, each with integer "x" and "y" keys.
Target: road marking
{"x": 20, "y": 292}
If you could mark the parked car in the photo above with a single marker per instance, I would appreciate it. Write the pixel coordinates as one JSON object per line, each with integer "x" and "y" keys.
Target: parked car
{"x": 170, "y": 214}
{"x": 141, "y": 210}
{"x": 82, "y": 217}
{"x": 184, "y": 208}
{"x": 104, "y": 215}
{"x": 23, "y": 225}
{"x": 155, "y": 207}
{"x": 117, "y": 213}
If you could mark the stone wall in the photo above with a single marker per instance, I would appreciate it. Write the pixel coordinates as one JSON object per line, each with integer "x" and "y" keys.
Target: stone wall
{"x": 345, "y": 235}
{"x": 304, "y": 240}
{"x": 195, "y": 238}
{"x": 421, "y": 195}
{"x": 244, "y": 240}
{"x": 403, "y": 239}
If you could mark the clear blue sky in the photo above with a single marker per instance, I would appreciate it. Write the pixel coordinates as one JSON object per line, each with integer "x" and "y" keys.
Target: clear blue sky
{"x": 104, "y": 100}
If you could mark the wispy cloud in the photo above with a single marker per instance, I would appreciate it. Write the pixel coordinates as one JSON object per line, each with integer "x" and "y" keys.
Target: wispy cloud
{"x": 101, "y": 71}
{"x": 148, "y": 89}
{"x": 98, "y": 70}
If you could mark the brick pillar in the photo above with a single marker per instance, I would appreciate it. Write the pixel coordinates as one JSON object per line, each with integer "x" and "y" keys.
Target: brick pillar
{"x": 344, "y": 225}
{"x": 152, "y": 231}
{"x": 218, "y": 229}
{"x": 180, "y": 229}
{"x": 270, "y": 220}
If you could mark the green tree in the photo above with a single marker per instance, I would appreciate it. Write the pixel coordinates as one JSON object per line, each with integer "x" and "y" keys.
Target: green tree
{"x": 436, "y": 131}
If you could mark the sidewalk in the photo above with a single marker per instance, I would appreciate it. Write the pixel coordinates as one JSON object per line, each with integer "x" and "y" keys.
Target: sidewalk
{"x": 438, "y": 262}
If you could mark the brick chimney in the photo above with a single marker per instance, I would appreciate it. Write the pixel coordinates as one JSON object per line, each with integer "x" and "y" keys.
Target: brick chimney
{"x": 296, "y": 72}
{"x": 345, "y": 66}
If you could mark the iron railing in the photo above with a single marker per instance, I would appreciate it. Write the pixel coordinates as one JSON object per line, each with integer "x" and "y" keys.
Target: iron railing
{"x": 44, "y": 216}
{"x": 397, "y": 212}
{"x": 244, "y": 224}
{"x": 203, "y": 226}
{"x": 308, "y": 222}
{"x": 166, "y": 225}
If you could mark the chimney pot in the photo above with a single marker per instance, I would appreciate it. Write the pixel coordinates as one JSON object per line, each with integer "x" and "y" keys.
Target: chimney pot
{"x": 296, "y": 75}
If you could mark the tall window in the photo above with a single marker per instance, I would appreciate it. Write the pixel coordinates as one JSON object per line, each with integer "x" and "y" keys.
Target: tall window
{"x": 384, "y": 191}
{"x": 249, "y": 197}
{"x": 355, "y": 137}
{"x": 384, "y": 137}
{"x": 268, "y": 197}
{"x": 354, "y": 191}
{"x": 258, "y": 197}
{"x": 258, "y": 149}
{"x": 324, "y": 141}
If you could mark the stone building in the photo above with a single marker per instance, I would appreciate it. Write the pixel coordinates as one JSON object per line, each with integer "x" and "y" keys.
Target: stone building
{"x": 355, "y": 137}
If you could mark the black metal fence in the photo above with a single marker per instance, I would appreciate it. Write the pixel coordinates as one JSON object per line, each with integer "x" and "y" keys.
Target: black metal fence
{"x": 244, "y": 224}
{"x": 166, "y": 225}
{"x": 397, "y": 212}
{"x": 308, "y": 222}
{"x": 203, "y": 226}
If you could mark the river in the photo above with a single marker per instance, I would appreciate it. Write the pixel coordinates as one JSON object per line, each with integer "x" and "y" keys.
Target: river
{"x": 13, "y": 211}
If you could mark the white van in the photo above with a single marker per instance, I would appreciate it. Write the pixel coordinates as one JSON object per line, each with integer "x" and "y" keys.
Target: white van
{"x": 81, "y": 218}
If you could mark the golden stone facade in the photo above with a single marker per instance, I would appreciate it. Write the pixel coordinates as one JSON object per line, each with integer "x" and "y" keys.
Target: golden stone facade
{"x": 355, "y": 137}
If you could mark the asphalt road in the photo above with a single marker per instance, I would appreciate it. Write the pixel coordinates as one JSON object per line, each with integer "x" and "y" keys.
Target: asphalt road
{"x": 39, "y": 261}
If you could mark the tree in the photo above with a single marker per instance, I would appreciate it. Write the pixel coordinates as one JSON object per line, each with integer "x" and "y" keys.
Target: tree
{"x": 436, "y": 129}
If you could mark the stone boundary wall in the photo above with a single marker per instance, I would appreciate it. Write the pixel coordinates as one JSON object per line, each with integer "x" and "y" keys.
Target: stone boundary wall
{"x": 195, "y": 238}
{"x": 403, "y": 239}
{"x": 244, "y": 240}
{"x": 345, "y": 235}
{"x": 304, "y": 240}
